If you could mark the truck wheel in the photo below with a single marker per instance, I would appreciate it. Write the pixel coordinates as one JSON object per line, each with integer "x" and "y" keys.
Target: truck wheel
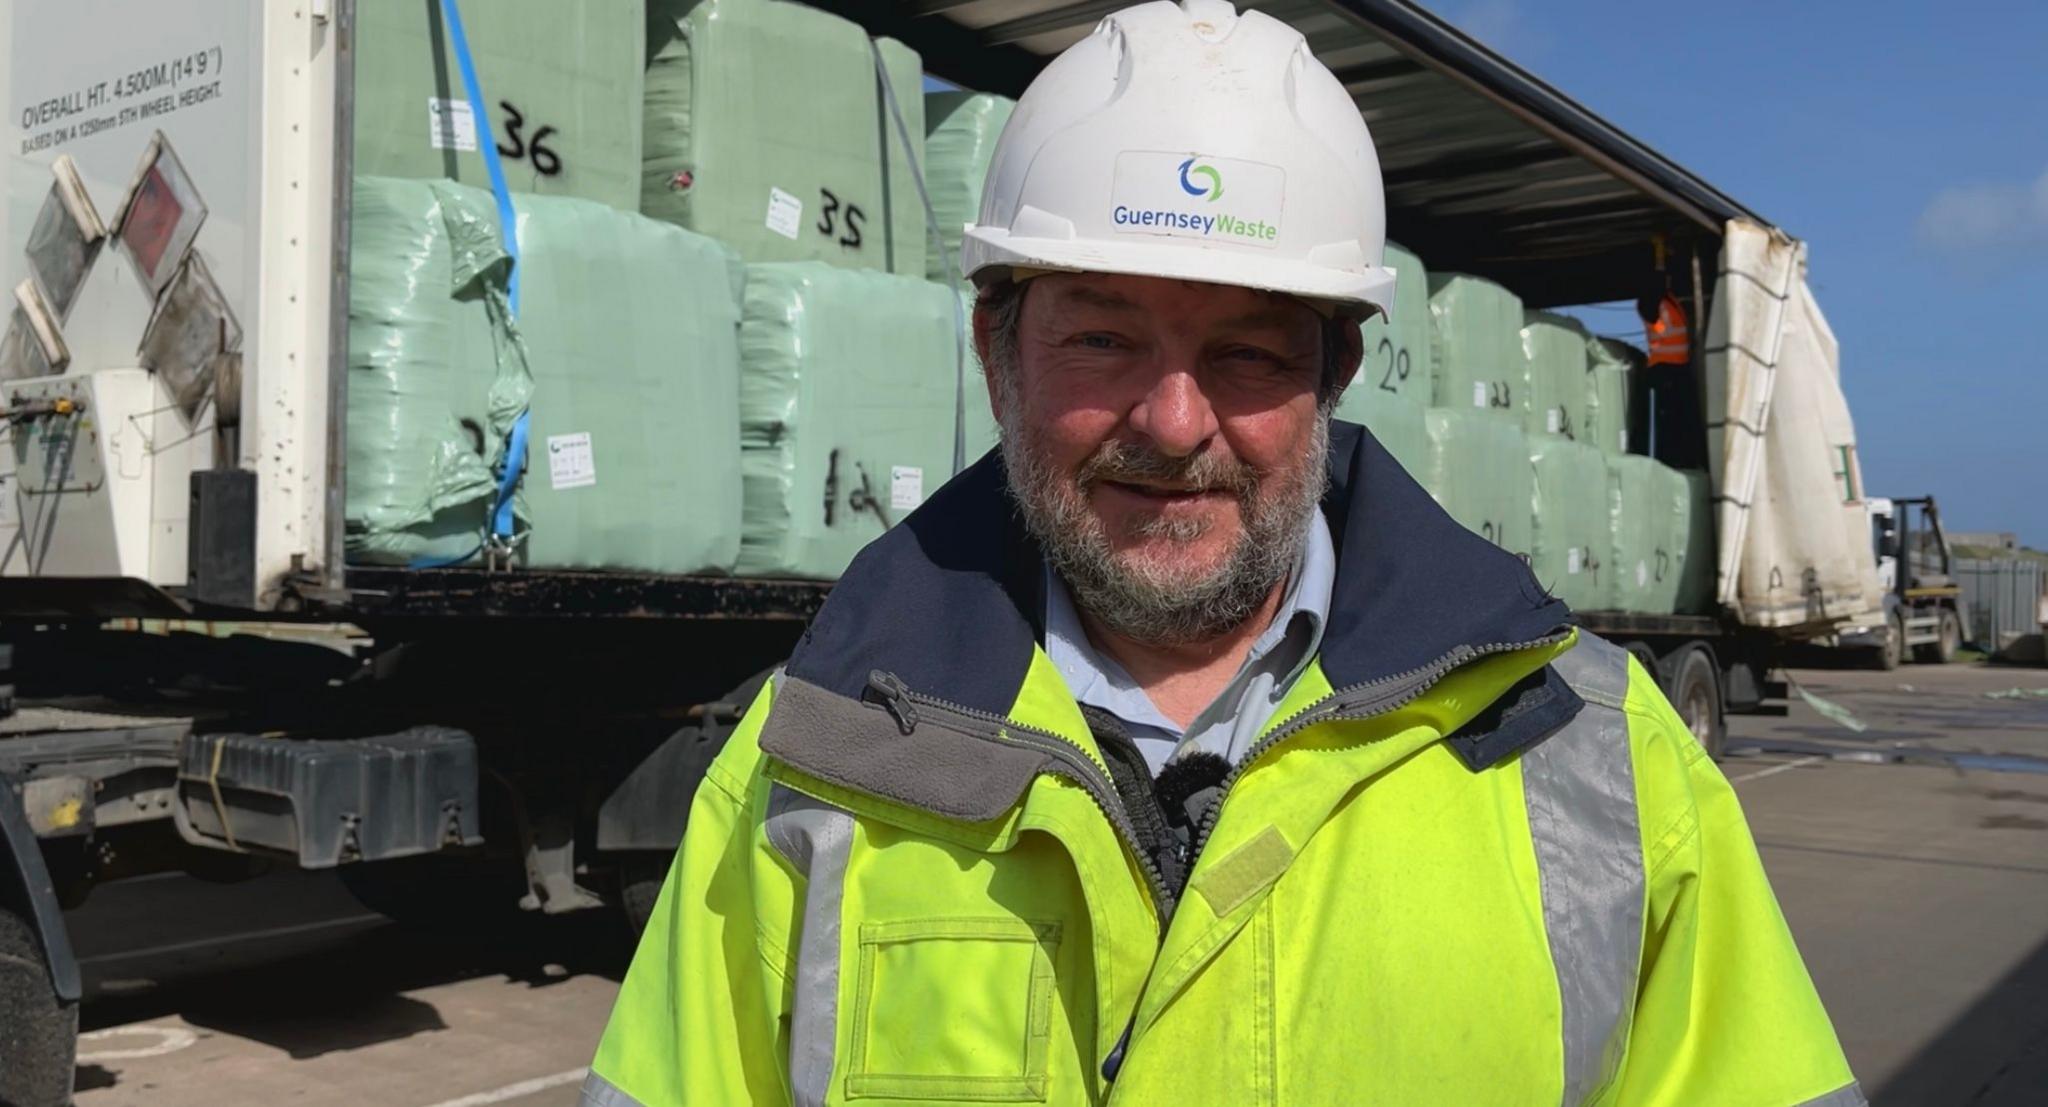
{"x": 38, "y": 1031}
{"x": 1943, "y": 650}
{"x": 1695, "y": 692}
{"x": 1893, "y": 653}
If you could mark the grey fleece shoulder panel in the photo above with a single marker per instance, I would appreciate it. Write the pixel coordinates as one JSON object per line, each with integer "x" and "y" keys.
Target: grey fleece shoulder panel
{"x": 859, "y": 746}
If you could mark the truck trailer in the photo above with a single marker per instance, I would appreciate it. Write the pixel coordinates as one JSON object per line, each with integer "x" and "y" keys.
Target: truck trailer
{"x": 201, "y": 677}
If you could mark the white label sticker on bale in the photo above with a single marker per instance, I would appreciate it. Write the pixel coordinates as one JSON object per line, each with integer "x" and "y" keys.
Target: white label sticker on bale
{"x": 570, "y": 461}
{"x": 1642, "y": 574}
{"x": 1550, "y": 420}
{"x": 785, "y": 213}
{"x": 1478, "y": 393}
{"x": 906, "y": 487}
{"x": 1573, "y": 560}
{"x": 450, "y": 124}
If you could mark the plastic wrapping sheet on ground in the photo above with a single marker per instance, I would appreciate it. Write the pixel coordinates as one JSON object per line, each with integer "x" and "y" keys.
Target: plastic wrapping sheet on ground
{"x": 1555, "y": 400}
{"x": 565, "y": 95}
{"x": 847, "y": 402}
{"x": 1477, "y": 467}
{"x": 1398, "y": 360}
{"x": 765, "y": 128}
{"x": 1395, "y": 422}
{"x": 1609, "y": 362}
{"x": 1568, "y": 533}
{"x": 1649, "y": 524}
{"x": 961, "y": 133}
{"x": 626, "y": 351}
{"x": 1476, "y": 345}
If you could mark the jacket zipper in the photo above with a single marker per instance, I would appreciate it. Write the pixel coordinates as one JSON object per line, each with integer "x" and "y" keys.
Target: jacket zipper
{"x": 903, "y": 705}
{"x": 1357, "y": 701}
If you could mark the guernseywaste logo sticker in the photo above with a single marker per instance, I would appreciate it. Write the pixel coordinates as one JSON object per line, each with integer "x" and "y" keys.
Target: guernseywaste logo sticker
{"x": 1183, "y": 195}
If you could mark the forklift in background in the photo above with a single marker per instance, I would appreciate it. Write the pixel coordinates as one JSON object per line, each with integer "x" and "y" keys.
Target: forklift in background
{"x": 1923, "y": 604}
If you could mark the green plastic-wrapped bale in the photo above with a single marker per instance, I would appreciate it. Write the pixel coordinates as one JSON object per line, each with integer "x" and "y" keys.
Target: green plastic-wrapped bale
{"x": 1397, "y": 347}
{"x": 1649, "y": 530}
{"x": 1394, "y": 421}
{"x": 961, "y": 129}
{"x": 1554, "y": 403}
{"x": 1609, "y": 364}
{"x": 847, "y": 401}
{"x": 1477, "y": 467}
{"x": 565, "y": 95}
{"x": 1476, "y": 345}
{"x": 1697, "y": 568}
{"x": 765, "y": 128}
{"x": 1568, "y": 532}
{"x": 625, "y": 351}
{"x": 982, "y": 433}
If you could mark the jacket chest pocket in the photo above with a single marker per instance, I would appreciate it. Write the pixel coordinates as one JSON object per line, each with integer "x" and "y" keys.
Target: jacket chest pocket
{"x": 952, "y": 1009}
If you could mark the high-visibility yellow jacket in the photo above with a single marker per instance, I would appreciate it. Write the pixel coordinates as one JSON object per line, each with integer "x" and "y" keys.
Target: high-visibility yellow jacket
{"x": 1475, "y": 859}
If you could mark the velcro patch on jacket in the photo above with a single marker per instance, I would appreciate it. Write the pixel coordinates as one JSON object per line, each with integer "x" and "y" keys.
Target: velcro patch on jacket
{"x": 1247, "y": 870}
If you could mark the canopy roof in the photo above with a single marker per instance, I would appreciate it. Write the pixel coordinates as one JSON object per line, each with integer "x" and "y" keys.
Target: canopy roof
{"x": 1488, "y": 169}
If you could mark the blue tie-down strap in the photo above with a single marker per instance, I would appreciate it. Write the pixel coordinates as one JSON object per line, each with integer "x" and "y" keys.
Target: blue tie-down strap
{"x": 502, "y": 519}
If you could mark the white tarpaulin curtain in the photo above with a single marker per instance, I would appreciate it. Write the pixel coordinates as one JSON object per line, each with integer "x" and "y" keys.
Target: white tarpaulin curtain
{"x": 1795, "y": 540}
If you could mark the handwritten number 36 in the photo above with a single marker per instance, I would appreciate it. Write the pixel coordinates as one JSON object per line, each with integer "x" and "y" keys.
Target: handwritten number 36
{"x": 545, "y": 162}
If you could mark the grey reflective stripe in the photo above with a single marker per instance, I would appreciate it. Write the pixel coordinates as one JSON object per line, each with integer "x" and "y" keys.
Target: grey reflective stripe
{"x": 1848, "y": 1095}
{"x": 1580, "y": 788}
{"x": 599, "y": 1092}
{"x": 814, "y": 836}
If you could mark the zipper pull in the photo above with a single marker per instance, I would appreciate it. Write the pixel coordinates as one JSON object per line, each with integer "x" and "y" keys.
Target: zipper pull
{"x": 1114, "y": 1063}
{"x": 894, "y": 697}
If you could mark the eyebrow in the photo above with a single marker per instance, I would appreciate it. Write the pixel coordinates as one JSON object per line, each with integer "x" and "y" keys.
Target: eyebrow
{"x": 1091, "y": 297}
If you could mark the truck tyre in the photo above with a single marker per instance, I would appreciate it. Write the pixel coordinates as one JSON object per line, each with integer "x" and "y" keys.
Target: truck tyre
{"x": 1893, "y": 653}
{"x": 38, "y": 1031}
{"x": 1695, "y": 691}
{"x": 1942, "y": 650}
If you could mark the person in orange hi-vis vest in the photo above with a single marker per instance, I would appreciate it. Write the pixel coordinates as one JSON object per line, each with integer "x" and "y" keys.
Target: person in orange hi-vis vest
{"x": 1670, "y": 342}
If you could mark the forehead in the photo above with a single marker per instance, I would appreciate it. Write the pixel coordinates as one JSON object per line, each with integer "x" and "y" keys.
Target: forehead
{"x": 1165, "y": 300}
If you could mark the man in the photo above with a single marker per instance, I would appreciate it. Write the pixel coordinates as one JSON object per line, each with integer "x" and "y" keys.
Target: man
{"x": 1184, "y": 751}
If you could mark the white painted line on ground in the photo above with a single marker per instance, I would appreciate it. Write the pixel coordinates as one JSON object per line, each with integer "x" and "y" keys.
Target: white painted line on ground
{"x": 514, "y": 1091}
{"x": 1776, "y": 769}
{"x": 169, "y": 1039}
{"x": 224, "y": 939}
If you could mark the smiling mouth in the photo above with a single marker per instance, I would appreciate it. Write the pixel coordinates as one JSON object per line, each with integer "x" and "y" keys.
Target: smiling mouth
{"x": 1162, "y": 493}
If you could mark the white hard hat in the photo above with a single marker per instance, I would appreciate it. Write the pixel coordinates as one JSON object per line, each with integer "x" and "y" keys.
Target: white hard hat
{"x": 1189, "y": 141}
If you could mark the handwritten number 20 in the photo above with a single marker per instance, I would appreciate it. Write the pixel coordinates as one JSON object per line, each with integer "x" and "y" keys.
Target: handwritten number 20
{"x": 545, "y": 162}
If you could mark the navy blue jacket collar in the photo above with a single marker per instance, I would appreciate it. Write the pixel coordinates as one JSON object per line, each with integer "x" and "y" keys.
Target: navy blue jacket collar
{"x": 951, "y": 600}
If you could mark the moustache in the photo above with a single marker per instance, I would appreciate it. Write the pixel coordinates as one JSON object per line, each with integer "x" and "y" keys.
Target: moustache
{"x": 1130, "y": 463}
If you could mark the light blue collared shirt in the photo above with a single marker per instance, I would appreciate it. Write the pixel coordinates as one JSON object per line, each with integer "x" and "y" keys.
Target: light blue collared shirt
{"x": 1232, "y": 722}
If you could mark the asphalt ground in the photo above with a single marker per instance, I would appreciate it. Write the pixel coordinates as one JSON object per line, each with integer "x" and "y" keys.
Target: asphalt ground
{"x": 1911, "y": 859}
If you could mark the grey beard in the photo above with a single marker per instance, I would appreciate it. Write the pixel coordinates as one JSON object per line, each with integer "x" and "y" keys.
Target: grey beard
{"x": 1155, "y": 608}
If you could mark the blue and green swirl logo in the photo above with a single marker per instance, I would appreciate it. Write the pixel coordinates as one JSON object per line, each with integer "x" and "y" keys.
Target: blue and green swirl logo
{"x": 1189, "y": 169}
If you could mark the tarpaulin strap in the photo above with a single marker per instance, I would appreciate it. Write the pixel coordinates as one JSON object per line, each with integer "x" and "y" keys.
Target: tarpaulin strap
{"x": 220, "y": 807}
{"x": 931, "y": 225}
{"x": 515, "y": 448}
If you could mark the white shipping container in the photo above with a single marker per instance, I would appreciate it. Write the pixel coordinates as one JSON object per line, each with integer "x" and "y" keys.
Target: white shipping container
{"x": 200, "y": 134}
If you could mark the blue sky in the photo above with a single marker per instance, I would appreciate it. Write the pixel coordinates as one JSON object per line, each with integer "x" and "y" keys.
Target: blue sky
{"x": 1908, "y": 145}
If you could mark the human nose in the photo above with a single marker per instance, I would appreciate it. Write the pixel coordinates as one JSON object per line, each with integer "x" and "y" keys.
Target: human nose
{"x": 1175, "y": 414}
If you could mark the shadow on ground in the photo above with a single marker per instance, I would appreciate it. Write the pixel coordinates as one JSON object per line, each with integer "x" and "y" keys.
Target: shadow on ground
{"x": 1995, "y": 1055}
{"x": 350, "y": 993}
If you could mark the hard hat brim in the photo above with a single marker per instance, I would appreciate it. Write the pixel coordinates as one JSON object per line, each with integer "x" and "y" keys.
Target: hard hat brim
{"x": 1356, "y": 294}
